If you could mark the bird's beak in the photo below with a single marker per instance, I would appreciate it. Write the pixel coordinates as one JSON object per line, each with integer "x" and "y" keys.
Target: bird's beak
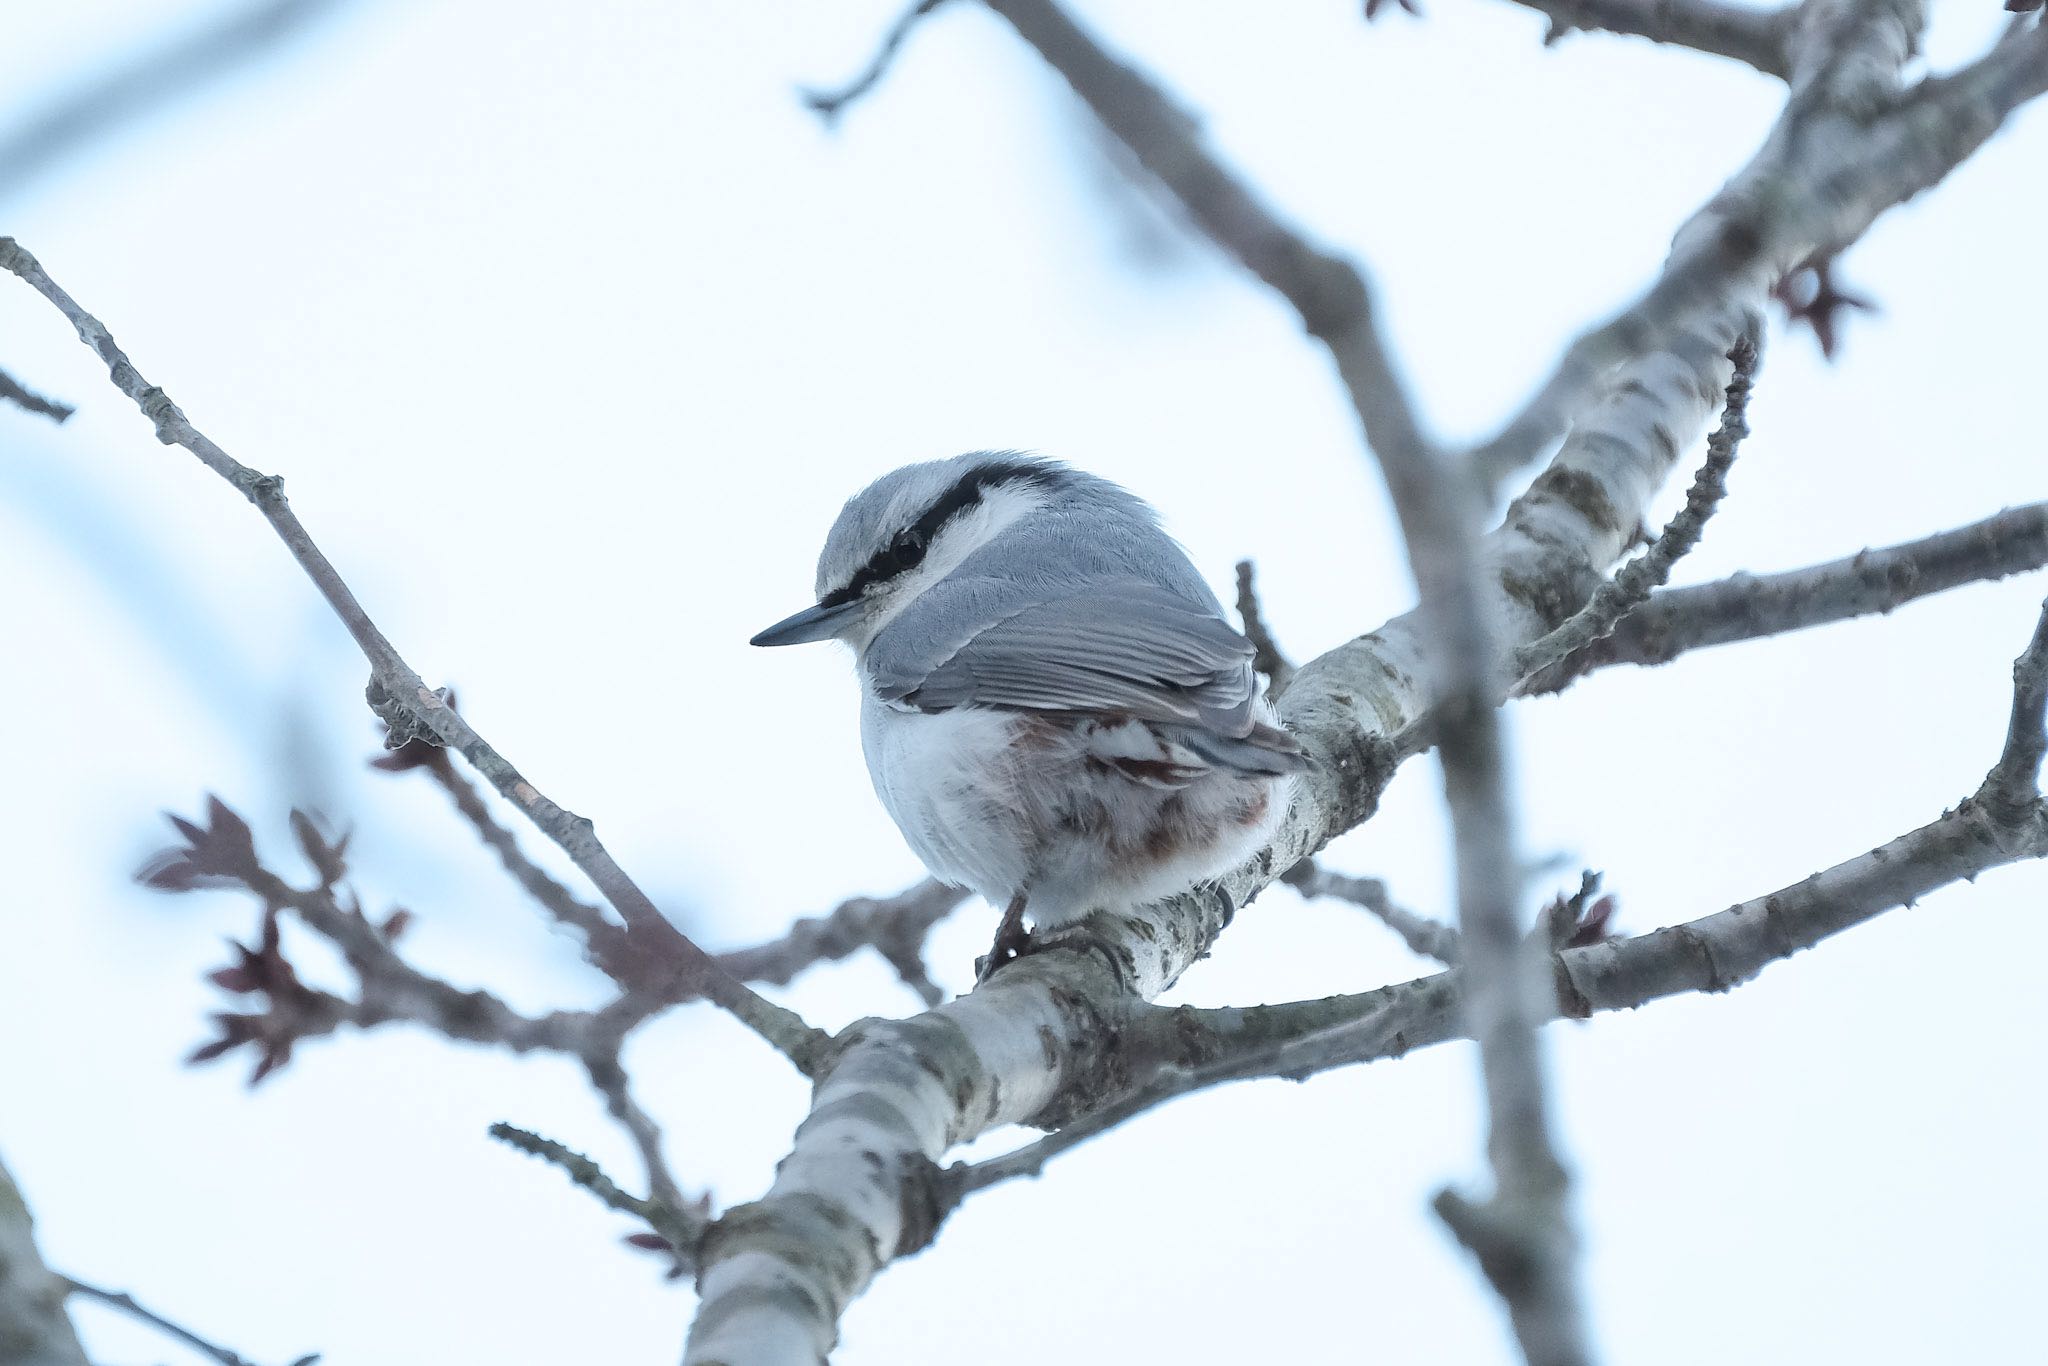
{"x": 813, "y": 623}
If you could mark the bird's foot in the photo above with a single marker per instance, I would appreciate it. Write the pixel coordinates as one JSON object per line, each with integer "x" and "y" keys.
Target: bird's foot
{"x": 1012, "y": 942}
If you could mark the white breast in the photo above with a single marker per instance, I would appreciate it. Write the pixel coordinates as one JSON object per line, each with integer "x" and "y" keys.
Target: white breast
{"x": 945, "y": 779}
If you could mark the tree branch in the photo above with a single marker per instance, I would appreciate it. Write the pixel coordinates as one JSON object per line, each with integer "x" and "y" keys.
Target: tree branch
{"x": 1636, "y": 580}
{"x": 895, "y": 927}
{"x": 1197, "y": 1048}
{"x": 652, "y": 956}
{"x": 1426, "y": 937}
{"x": 11, "y": 391}
{"x": 557, "y": 900}
{"x": 34, "y": 1329}
{"x": 1269, "y": 659}
{"x": 679, "y": 1227}
{"x": 1850, "y": 145}
{"x": 125, "y": 1302}
{"x": 1748, "y": 606}
{"x": 1756, "y": 37}
{"x": 830, "y": 104}
{"x": 1039, "y": 1042}
{"x": 2014, "y": 783}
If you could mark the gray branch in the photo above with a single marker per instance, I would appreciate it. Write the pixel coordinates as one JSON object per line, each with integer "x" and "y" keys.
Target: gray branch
{"x": 1269, "y": 658}
{"x": 1428, "y": 938}
{"x": 34, "y": 1329}
{"x": 652, "y": 956}
{"x": 1676, "y": 621}
{"x": 2014, "y": 783}
{"x": 895, "y": 927}
{"x": 12, "y": 391}
{"x": 1850, "y": 145}
{"x": 126, "y": 1303}
{"x": 1754, "y": 36}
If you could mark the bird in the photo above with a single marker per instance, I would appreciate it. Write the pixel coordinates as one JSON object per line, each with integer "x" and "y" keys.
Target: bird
{"x": 1054, "y": 709}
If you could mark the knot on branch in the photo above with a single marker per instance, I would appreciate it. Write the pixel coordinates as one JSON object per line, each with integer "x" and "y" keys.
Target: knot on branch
{"x": 405, "y": 724}
{"x": 163, "y": 414}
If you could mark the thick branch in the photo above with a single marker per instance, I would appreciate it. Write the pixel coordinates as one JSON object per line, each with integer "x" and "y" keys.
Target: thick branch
{"x": 653, "y": 956}
{"x": 1850, "y": 145}
{"x": 1756, "y": 37}
{"x": 34, "y": 1329}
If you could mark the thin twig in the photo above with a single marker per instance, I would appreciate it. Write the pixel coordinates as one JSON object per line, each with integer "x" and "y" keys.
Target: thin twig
{"x": 1269, "y": 660}
{"x": 125, "y": 1302}
{"x": 830, "y": 104}
{"x": 894, "y": 926}
{"x": 1633, "y": 583}
{"x": 679, "y": 1227}
{"x": 653, "y": 957}
{"x": 557, "y": 900}
{"x": 609, "y": 1077}
{"x": 1427, "y": 937}
{"x": 12, "y": 391}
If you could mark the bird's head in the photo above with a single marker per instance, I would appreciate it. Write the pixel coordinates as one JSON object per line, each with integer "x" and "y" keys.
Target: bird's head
{"x": 908, "y": 530}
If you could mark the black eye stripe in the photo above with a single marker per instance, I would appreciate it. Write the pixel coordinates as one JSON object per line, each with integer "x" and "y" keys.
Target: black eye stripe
{"x": 907, "y": 550}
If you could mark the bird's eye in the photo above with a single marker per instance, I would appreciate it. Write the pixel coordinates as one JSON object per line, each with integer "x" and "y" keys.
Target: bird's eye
{"x": 908, "y": 547}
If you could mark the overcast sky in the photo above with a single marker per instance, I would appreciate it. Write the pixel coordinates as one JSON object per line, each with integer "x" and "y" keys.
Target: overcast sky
{"x": 570, "y": 330}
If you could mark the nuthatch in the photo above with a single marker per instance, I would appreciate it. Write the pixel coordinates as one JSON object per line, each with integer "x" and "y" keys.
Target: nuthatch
{"x": 1053, "y": 708}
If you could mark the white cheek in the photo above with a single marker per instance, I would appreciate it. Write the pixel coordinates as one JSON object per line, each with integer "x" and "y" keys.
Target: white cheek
{"x": 1001, "y": 508}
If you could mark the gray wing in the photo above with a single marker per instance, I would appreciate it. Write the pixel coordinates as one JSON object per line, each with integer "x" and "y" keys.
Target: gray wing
{"x": 1122, "y": 646}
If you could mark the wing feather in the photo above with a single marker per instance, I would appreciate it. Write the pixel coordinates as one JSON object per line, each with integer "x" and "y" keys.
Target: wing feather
{"x": 1123, "y": 646}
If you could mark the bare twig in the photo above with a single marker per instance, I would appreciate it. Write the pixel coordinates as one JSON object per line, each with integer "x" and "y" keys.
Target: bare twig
{"x": 1269, "y": 659}
{"x": 1747, "y": 606}
{"x": 1632, "y": 585}
{"x": 222, "y": 853}
{"x": 1427, "y": 937}
{"x": 11, "y": 391}
{"x": 1747, "y": 35}
{"x": 154, "y": 77}
{"x": 609, "y": 1077}
{"x": 894, "y": 926}
{"x": 830, "y": 104}
{"x": 557, "y": 900}
{"x": 2014, "y": 784}
{"x": 653, "y": 956}
{"x": 125, "y": 1302}
{"x": 680, "y": 1228}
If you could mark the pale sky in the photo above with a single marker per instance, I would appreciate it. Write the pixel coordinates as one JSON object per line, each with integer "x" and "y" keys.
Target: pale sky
{"x": 570, "y": 330}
